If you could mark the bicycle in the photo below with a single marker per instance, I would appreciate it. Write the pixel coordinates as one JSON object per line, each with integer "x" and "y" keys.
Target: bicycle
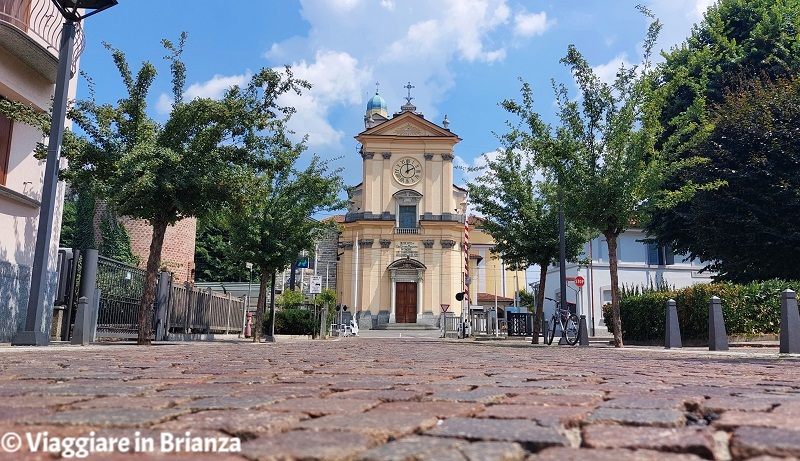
{"x": 570, "y": 326}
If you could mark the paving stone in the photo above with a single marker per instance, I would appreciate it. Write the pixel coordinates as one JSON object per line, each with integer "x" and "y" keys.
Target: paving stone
{"x": 198, "y": 390}
{"x": 545, "y": 416}
{"x": 734, "y": 419}
{"x": 441, "y": 410}
{"x": 637, "y": 417}
{"x": 573, "y": 454}
{"x": 382, "y": 395}
{"x": 649, "y": 402}
{"x": 381, "y": 426}
{"x": 154, "y": 402}
{"x": 722, "y": 404}
{"x": 308, "y": 445}
{"x": 481, "y": 395}
{"x": 223, "y": 403}
{"x": 247, "y": 424}
{"x": 679, "y": 440}
{"x": 527, "y": 433}
{"x": 433, "y": 448}
{"x": 41, "y": 401}
{"x": 554, "y": 400}
{"x": 320, "y": 407}
{"x": 754, "y": 441}
{"x": 127, "y": 417}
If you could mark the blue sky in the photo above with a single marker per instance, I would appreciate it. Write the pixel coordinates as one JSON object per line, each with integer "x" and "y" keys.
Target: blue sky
{"x": 462, "y": 56}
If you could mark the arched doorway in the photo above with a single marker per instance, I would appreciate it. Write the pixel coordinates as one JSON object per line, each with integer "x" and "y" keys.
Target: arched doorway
{"x": 406, "y": 279}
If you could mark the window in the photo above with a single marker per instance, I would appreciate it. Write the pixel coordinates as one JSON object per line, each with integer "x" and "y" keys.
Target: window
{"x": 660, "y": 255}
{"x": 407, "y": 217}
{"x": 5, "y": 147}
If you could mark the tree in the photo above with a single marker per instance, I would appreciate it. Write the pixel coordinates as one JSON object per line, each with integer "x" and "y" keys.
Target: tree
{"x": 188, "y": 166}
{"x": 116, "y": 240}
{"x": 737, "y": 42}
{"x": 602, "y": 157}
{"x": 215, "y": 258}
{"x": 273, "y": 224}
{"x": 518, "y": 215}
{"x": 747, "y": 228}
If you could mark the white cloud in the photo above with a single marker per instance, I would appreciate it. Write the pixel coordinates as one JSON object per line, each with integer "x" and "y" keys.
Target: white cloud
{"x": 388, "y": 4}
{"x": 530, "y": 24}
{"x": 337, "y": 80}
{"x": 215, "y": 87}
{"x": 164, "y": 104}
{"x": 608, "y": 72}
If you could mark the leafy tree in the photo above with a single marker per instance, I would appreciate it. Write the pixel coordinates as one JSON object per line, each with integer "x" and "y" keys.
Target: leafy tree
{"x": 188, "y": 166}
{"x": 215, "y": 254}
{"x": 116, "y": 240}
{"x": 273, "y": 224}
{"x": 747, "y": 229}
{"x": 517, "y": 214}
{"x": 77, "y": 223}
{"x": 290, "y": 299}
{"x": 738, "y": 41}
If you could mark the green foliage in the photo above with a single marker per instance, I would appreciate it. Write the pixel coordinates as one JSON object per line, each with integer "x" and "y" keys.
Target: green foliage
{"x": 746, "y": 227}
{"x": 214, "y": 257}
{"x": 199, "y": 160}
{"x": 116, "y": 240}
{"x": 749, "y": 310}
{"x": 290, "y": 299}
{"x": 77, "y": 221}
{"x": 293, "y": 321}
{"x": 715, "y": 107}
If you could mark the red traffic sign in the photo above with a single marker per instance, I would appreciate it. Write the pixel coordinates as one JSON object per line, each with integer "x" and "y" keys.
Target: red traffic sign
{"x": 579, "y": 281}
{"x": 445, "y": 307}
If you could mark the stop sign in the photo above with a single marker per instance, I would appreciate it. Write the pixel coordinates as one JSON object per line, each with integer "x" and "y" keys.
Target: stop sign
{"x": 579, "y": 281}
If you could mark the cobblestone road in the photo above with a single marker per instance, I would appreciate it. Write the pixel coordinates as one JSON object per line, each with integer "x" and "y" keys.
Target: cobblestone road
{"x": 397, "y": 398}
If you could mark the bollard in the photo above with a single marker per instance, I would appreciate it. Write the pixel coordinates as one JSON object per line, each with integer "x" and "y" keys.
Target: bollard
{"x": 790, "y": 323}
{"x": 83, "y": 318}
{"x": 583, "y": 333}
{"x": 672, "y": 336}
{"x": 717, "y": 337}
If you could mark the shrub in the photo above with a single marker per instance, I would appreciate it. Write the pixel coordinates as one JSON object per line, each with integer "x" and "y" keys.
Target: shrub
{"x": 293, "y": 321}
{"x": 748, "y": 310}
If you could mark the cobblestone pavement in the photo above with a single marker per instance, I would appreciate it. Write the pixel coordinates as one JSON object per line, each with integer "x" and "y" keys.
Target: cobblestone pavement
{"x": 397, "y": 399}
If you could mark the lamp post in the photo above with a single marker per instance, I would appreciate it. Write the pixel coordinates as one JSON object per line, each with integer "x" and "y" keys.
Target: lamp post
{"x": 34, "y": 334}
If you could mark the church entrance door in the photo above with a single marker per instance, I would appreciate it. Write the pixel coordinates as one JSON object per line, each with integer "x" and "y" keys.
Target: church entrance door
{"x": 406, "y": 302}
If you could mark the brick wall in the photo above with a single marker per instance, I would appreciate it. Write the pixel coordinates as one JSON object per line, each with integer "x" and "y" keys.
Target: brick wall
{"x": 179, "y": 243}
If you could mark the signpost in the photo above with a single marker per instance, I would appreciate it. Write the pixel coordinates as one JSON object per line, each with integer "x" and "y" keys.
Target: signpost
{"x": 316, "y": 285}
{"x": 579, "y": 281}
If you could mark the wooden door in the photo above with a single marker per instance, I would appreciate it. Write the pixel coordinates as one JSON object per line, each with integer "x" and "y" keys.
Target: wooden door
{"x": 405, "y": 302}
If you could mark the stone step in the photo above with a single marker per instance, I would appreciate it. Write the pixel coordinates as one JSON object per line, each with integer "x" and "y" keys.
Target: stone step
{"x": 409, "y": 326}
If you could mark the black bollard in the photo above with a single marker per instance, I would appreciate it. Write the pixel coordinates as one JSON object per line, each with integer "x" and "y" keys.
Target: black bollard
{"x": 790, "y": 323}
{"x": 717, "y": 337}
{"x": 583, "y": 333}
{"x": 672, "y": 336}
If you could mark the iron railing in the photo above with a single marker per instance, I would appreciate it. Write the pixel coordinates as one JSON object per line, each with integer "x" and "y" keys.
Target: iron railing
{"x": 121, "y": 289}
{"x": 407, "y": 230}
{"x": 41, "y": 21}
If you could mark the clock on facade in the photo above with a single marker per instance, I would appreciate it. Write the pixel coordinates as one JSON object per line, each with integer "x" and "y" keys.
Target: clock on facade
{"x": 407, "y": 171}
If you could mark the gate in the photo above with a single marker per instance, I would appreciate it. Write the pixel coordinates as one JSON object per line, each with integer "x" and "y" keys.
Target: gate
{"x": 520, "y": 323}
{"x": 121, "y": 289}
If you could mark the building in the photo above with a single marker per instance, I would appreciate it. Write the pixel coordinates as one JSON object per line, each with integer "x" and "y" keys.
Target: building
{"x": 29, "y": 40}
{"x": 402, "y": 245}
{"x": 639, "y": 265}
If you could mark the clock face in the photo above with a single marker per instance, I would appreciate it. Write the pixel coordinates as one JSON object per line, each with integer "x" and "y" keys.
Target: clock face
{"x": 407, "y": 171}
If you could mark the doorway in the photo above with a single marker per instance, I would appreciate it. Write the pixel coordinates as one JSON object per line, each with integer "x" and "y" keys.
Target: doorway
{"x": 406, "y": 302}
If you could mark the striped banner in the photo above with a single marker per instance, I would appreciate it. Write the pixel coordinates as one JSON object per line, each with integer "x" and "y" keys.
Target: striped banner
{"x": 466, "y": 259}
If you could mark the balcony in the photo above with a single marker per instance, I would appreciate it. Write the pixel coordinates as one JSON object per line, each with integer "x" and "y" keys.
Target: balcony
{"x": 31, "y": 31}
{"x": 407, "y": 230}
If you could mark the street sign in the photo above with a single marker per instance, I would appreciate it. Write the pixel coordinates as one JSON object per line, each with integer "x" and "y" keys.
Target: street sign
{"x": 445, "y": 307}
{"x": 316, "y": 285}
{"x": 302, "y": 263}
{"x": 579, "y": 281}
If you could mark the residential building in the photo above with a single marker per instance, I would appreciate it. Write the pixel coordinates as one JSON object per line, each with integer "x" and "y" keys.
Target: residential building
{"x": 29, "y": 40}
{"x": 639, "y": 264}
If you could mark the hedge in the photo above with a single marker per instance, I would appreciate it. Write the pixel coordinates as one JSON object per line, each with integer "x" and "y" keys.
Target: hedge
{"x": 749, "y": 310}
{"x": 292, "y": 321}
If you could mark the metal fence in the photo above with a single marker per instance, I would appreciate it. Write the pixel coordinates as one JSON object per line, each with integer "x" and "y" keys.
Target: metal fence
{"x": 519, "y": 323}
{"x": 121, "y": 289}
{"x": 194, "y": 310}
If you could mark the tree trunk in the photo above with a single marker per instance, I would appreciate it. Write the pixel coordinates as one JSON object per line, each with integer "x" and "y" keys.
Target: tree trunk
{"x": 260, "y": 306}
{"x": 270, "y": 334}
{"x": 153, "y": 262}
{"x": 538, "y": 317}
{"x": 611, "y": 240}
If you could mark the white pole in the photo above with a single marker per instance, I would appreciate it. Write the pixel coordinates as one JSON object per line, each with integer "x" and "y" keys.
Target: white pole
{"x": 355, "y": 278}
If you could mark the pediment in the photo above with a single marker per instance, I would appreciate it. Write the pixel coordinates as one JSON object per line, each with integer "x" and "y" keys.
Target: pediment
{"x": 408, "y": 124}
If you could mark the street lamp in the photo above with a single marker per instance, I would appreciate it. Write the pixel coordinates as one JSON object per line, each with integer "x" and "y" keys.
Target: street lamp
{"x": 73, "y": 11}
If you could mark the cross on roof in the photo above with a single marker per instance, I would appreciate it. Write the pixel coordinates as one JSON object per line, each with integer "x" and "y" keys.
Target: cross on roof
{"x": 377, "y": 84}
{"x": 409, "y": 98}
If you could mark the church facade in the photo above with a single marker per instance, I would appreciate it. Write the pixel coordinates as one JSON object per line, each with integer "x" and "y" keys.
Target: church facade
{"x": 402, "y": 245}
